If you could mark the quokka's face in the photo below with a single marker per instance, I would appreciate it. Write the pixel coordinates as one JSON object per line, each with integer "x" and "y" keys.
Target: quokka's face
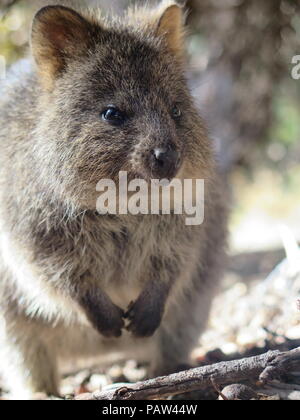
{"x": 125, "y": 110}
{"x": 121, "y": 105}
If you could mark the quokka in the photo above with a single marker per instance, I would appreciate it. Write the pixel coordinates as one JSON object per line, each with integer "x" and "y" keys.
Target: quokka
{"x": 101, "y": 96}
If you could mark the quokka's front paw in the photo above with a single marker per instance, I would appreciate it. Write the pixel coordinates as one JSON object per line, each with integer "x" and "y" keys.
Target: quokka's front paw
{"x": 143, "y": 319}
{"x": 108, "y": 322}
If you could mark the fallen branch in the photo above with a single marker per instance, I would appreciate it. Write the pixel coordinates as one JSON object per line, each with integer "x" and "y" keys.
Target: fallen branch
{"x": 266, "y": 367}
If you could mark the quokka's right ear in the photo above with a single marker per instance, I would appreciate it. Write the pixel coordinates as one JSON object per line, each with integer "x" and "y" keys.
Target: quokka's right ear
{"x": 58, "y": 35}
{"x": 171, "y": 25}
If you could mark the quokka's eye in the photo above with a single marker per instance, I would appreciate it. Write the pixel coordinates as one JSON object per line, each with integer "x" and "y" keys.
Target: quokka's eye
{"x": 113, "y": 116}
{"x": 176, "y": 112}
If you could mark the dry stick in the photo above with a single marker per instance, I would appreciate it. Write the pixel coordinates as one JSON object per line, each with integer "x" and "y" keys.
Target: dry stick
{"x": 224, "y": 373}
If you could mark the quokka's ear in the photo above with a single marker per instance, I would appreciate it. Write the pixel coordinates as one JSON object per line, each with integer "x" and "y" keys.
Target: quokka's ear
{"x": 171, "y": 26}
{"x": 58, "y": 34}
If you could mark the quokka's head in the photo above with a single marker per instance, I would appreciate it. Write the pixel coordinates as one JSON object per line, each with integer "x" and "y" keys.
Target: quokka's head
{"x": 114, "y": 98}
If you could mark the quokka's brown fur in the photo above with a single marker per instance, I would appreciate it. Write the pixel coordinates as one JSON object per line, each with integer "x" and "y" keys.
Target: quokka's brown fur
{"x": 67, "y": 274}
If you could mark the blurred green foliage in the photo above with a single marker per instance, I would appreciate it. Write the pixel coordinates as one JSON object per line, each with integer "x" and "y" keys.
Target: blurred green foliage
{"x": 14, "y": 31}
{"x": 286, "y": 127}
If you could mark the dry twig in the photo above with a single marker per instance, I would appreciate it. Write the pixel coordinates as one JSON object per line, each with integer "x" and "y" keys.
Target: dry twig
{"x": 266, "y": 367}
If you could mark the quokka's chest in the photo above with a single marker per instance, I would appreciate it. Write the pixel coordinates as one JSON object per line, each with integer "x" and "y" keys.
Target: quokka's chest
{"x": 122, "y": 257}
{"x": 114, "y": 254}
{"x": 119, "y": 262}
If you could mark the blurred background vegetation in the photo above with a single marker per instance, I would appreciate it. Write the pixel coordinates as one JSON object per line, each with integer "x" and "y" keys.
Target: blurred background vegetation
{"x": 240, "y": 55}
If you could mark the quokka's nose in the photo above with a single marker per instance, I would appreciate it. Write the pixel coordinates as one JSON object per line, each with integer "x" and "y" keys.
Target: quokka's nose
{"x": 164, "y": 162}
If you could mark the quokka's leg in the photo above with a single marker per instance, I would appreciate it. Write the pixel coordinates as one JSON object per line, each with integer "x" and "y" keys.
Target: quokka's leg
{"x": 28, "y": 364}
{"x": 179, "y": 334}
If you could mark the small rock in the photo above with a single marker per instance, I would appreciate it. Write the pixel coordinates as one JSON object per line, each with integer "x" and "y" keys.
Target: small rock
{"x": 238, "y": 392}
{"x": 98, "y": 382}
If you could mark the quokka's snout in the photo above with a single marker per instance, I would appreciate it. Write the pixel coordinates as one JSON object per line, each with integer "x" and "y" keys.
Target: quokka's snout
{"x": 158, "y": 160}
{"x": 164, "y": 162}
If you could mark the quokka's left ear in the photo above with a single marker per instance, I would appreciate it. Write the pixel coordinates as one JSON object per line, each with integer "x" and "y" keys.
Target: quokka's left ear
{"x": 171, "y": 25}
